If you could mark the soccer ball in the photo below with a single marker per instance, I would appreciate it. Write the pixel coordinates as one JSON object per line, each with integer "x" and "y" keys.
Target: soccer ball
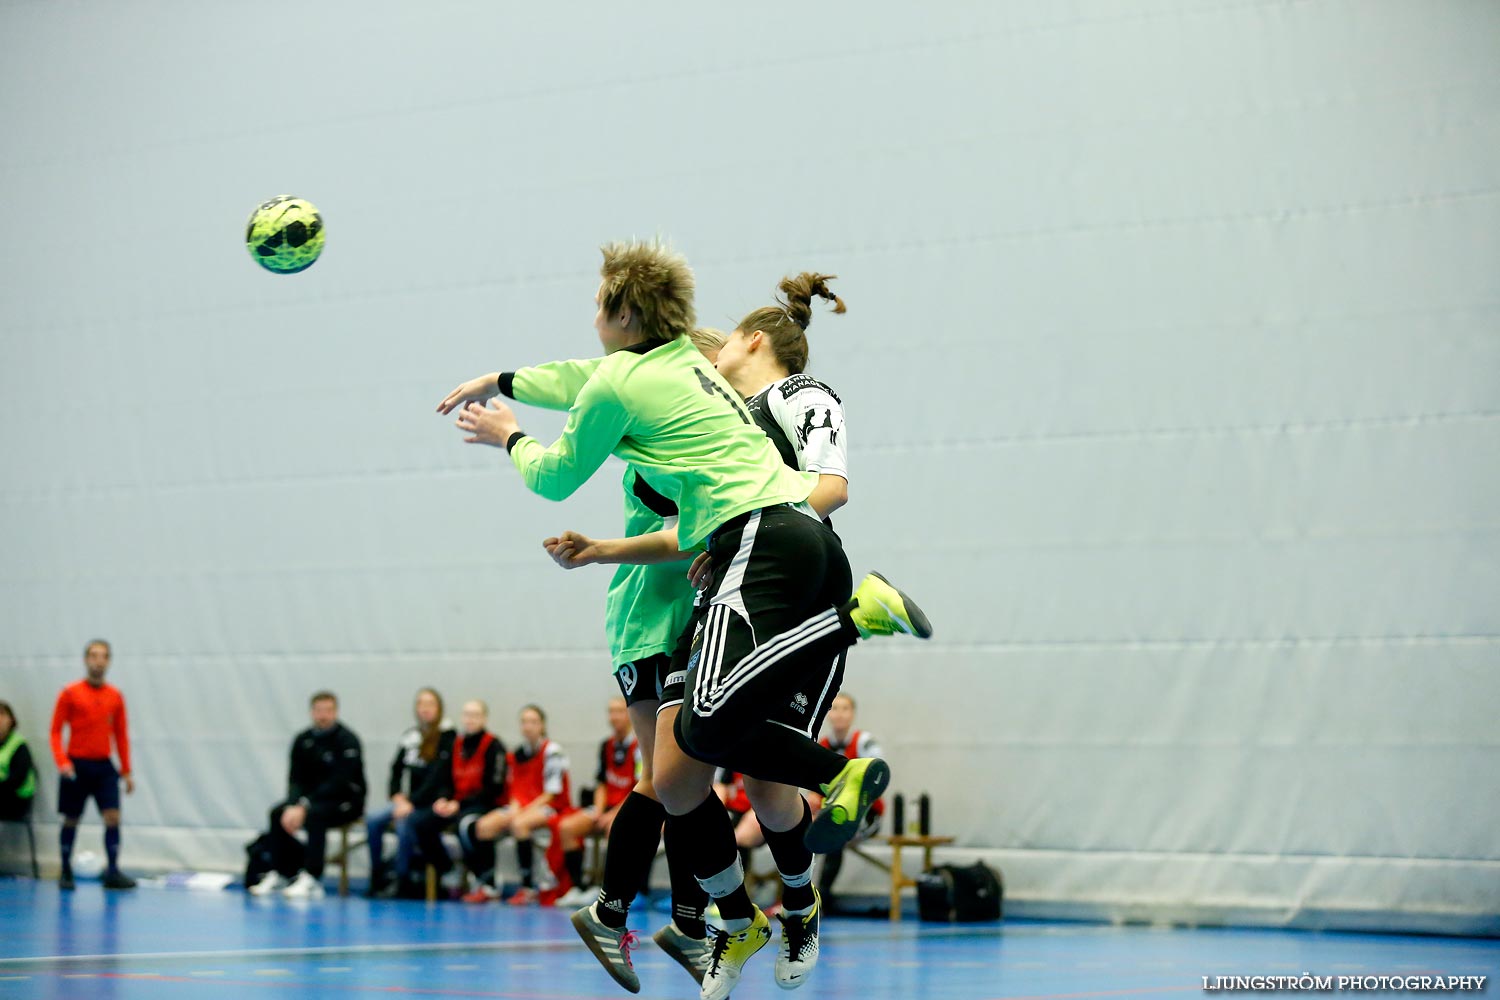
{"x": 285, "y": 235}
{"x": 88, "y": 865}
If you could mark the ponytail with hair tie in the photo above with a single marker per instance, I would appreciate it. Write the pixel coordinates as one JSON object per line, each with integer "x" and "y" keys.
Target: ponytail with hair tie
{"x": 785, "y": 323}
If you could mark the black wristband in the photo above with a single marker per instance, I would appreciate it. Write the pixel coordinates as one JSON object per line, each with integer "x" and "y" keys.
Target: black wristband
{"x": 510, "y": 442}
{"x": 506, "y": 383}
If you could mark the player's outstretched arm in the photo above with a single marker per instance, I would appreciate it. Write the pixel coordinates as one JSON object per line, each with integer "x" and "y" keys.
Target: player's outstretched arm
{"x": 553, "y": 386}
{"x": 572, "y": 549}
{"x": 476, "y": 390}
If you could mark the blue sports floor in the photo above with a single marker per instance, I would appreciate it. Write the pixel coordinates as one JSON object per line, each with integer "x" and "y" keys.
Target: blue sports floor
{"x": 165, "y": 944}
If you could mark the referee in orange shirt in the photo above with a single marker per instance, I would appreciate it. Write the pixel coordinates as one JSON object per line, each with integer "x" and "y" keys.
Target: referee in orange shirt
{"x": 92, "y": 711}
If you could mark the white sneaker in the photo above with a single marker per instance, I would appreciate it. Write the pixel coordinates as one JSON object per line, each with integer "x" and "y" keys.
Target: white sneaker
{"x": 304, "y": 886}
{"x": 798, "y": 955}
{"x": 269, "y": 882}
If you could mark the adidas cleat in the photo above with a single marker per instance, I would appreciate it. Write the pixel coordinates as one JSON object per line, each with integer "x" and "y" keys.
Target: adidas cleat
{"x": 610, "y": 946}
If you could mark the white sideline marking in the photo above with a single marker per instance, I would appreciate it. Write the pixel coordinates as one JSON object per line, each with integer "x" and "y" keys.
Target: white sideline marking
{"x": 557, "y": 944}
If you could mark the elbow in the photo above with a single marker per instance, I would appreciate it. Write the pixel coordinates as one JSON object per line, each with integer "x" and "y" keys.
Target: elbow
{"x": 551, "y": 488}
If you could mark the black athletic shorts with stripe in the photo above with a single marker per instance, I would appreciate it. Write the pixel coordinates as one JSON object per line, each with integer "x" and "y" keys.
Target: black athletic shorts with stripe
{"x": 767, "y": 644}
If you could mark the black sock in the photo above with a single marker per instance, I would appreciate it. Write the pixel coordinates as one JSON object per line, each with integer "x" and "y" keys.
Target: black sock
{"x": 573, "y": 862}
{"x": 688, "y": 898}
{"x": 523, "y": 861}
{"x": 708, "y": 834}
{"x": 794, "y": 861}
{"x": 66, "y": 838}
{"x": 788, "y": 758}
{"x": 112, "y": 847}
{"x": 632, "y": 845}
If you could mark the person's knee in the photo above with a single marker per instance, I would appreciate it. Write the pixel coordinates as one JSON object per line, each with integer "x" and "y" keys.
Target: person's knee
{"x": 678, "y": 790}
{"x": 489, "y": 826}
{"x": 777, "y": 807}
{"x": 70, "y": 822}
{"x": 111, "y": 817}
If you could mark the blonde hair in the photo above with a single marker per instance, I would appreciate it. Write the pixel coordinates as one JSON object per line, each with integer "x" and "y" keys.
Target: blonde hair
{"x": 654, "y": 282}
{"x": 707, "y": 339}
{"x": 785, "y": 324}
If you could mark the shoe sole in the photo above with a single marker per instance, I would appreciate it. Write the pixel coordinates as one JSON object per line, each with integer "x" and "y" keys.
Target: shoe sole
{"x": 824, "y": 835}
{"x": 921, "y": 625}
{"x": 581, "y": 925}
{"x": 676, "y": 954}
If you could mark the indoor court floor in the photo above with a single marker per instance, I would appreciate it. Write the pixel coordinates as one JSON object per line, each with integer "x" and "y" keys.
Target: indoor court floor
{"x": 164, "y": 944}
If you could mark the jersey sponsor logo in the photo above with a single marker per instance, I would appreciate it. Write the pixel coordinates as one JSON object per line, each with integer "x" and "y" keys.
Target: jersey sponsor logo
{"x": 628, "y": 678}
{"x": 676, "y": 677}
{"x": 817, "y": 418}
{"x": 796, "y": 383}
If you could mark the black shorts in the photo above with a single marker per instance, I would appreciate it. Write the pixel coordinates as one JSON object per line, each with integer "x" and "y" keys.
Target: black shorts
{"x": 96, "y": 779}
{"x": 771, "y": 568}
{"x": 644, "y": 680}
{"x": 805, "y": 711}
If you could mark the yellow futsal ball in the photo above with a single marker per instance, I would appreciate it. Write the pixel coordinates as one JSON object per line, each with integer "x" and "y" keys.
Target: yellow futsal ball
{"x": 285, "y": 235}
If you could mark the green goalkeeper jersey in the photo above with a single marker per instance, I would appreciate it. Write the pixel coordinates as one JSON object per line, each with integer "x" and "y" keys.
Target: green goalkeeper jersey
{"x": 668, "y": 413}
{"x": 648, "y": 605}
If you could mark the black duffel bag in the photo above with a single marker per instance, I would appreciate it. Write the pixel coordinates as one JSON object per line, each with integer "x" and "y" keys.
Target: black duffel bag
{"x": 960, "y": 893}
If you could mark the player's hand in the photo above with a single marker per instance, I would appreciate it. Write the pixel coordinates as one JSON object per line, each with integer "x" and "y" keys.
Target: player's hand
{"x": 68, "y": 773}
{"x": 292, "y": 818}
{"x": 571, "y": 550}
{"x": 129, "y": 785}
{"x": 700, "y": 572}
{"x": 401, "y": 808}
{"x": 473, "y": 391}
{"x": 445, "y": 807}
{"x": 492, "y": 425}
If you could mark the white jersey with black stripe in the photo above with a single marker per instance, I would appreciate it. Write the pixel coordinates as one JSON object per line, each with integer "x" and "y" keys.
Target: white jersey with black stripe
{"x": 805, "y": 420}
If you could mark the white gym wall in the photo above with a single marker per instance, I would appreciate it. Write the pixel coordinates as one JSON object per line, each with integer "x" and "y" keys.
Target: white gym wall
{"x": 1172, "y": 367}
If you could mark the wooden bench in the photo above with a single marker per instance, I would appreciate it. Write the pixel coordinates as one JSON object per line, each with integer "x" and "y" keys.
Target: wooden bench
{"x": 341, "y": 856}
{"x": 899, "y": 880}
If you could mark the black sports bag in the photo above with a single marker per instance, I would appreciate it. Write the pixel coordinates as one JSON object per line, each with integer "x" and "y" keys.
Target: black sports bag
{"x": 960, "y": 893}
